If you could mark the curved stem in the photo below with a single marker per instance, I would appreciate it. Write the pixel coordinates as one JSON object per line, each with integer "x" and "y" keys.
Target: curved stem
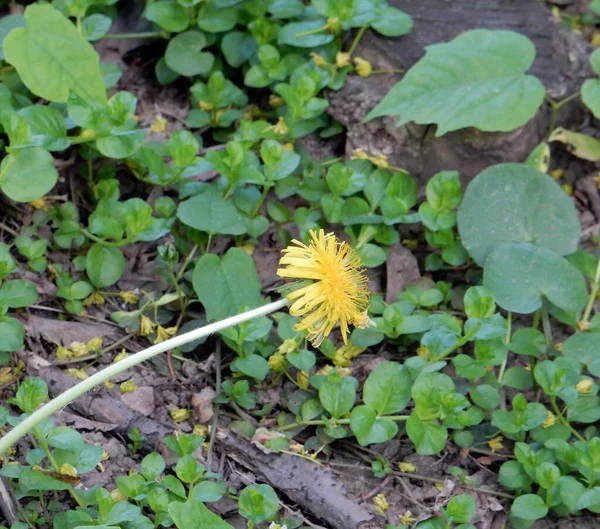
{"x": 564, "y": 420}
{"x": 458, "y": 344}
{"x": 594, "y": 291}
{"x": 114, "y": 369}
{"x": 356, "y": 40}
{"x": 124, "y": 36}
{"x": 97, "y": 239}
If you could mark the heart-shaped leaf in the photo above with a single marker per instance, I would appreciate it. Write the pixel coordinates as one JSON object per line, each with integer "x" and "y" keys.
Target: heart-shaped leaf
{"x": 521, "y": 274}
{"x": 516, "y": 203}
{"x": 368, "y": 428}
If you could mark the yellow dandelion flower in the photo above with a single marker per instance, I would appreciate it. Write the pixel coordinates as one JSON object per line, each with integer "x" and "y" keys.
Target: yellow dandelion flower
{"x": 159, "y": 124}
{"x": 584, "y": 387}
{"x": 381, "y": 504}
{"x": 336, "y": 293}
{"x": 146, "y": 326}
{"x": 363, "y": 67}
{"x": 495, "y": 444}
{"x": 342, "y": 59}
{"x": 550, "y": 420}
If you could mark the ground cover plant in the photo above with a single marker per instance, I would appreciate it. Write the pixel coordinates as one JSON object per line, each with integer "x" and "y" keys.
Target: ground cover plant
{"x": 245, "y": 271}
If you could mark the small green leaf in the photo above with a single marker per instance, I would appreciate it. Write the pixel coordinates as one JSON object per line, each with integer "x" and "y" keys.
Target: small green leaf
{"x": 104, "y": 265}
{"x": 529, "y": 507}
{"x": 152, "y": 466}
{"x": 18, "y": 293}
{"x": 238, "y": 47}
{"x": 194, "y": 514}
{"x": 368, "y": 428}
{"x": 95, "y": 26}
{"x": 184, "y": 57}
{"x": 27, "y": 174}
{"x": 337, "y": 395}
{"x": 429, "y": 437}
{"x": 392, "y": 22}
{"x": 303, "y": 34}
{"x": 485, "y": 396}
{"x": 258, "y": 503}
{"x": 168, "y": 14}
{"x": 461, "y": 508}
{"x": 479, "y": 303}
{"x": 31, "y": 393}
{"x": 12, "y": 332}
{"x": 529, "y": 342}
{"x": 52, "y": 58}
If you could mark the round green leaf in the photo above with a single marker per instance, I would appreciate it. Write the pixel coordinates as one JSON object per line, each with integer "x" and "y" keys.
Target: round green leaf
{"x": 513, "y": 476}
{"x": 95, "y": 26}
{"x": 521, "y": 274}
{"x": 476, "y": 80}
{"x": 12, "y": 332}
{"x": 429, "y": 437}
{"x": 516, "y": 203}
{"x": 52, "y": 58}
{"x": 121, "y": 143}
{"x": 392, "y": 22}
{"x": 104, "y": 265}
{"x": 302, "y": 35}
{"x": 368, "y": 428}
{"x": 387, "y": 388}
{"x": 258, "y": 503}
{"x": 18, "y": 293}
{"x": 184, "y": 57}
{"x": 168, "y": 14}
{"x": 27, "y": 174}
{"x": 528, "y": 341}
{"x": 485, "y": 396}
{"x": 338, "y": 396}
{"x": 529, "y": 507}
{"x": 238, "y": 47}
{"x": 213, "y": 19}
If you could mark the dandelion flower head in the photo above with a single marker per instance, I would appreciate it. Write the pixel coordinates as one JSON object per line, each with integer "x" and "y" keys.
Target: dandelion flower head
{"x": 332, "y": 288}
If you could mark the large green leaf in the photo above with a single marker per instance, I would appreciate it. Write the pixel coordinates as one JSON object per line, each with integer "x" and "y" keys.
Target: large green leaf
{"x": 211, "y": 213}
{"x": 52, "y": 57}
{"x": 27, "y": 174}
{"x": 224, "y": 286}
{"x": 387, "y": 388}
{"x": 104, "y": 265}
{"x": 195, "y": 515}
{"x": 368, "y": 428}
{"x": 521, "y": 274}
{"x": 516, "y": 203}
{"x": 476, "y": 80}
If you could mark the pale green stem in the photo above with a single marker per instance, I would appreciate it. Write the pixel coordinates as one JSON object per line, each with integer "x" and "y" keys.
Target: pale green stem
{"x": 114, "y": 369}
{"x": 590, "y": 304}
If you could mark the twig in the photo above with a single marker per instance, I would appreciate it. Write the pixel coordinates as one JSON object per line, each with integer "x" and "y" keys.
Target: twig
{"x": 215, "y": 418}
{"x": 373, "y": 492}
{"x": 243, "y": 415}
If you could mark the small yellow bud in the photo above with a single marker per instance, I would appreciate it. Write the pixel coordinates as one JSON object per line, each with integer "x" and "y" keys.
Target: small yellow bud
{"x": 146, "y": 326}
{"x": 95, "y": 344}
{"x": 281, "y": 127}
{"x": 550, "y": 420}
{"x": 363, "y": 67}
{"x": 163, "y": 333}
{"x": 76, "y": 373}
{"x": 276, "y": 361}
{"x": 159, "y": 124}
{"x": 302, "y": 379}
{"x": 595, "y": 39}
{"x": 325, "y": 370}
{"x": 318, "y": 59}
{"x": 207, "y": 107}
{"x": 288, "y": 346}
{"x": 583, "y": 325}
{"x": 558, "y": 346}
{"x": 127, "y": 386}
{"x": 567, "y": 188}
{"x": 109, "y": 385}
{"x": 276, "y": 101}
{"x": 248, "y": 248}
{"x": 333, "y": 24}
{"x": 359, "y": 155}
{"x": 381, "y": 504}
{"x": 105, "y": 456}
{"x": 180, "y": 415}
{"x": 407, "y": 518}
{"x": 88, "y": 134}
{"x": 122, "y": 355}
{"x": 557, "y": 174}
{"x": 584, "y": 386}
{"x": 63, "y": 352}
{"x": 39, "y": 203}
{"x": 200, "y": 430}
{"x": 410, "y": 244}
{"x": 496, "y": 443}
{"x": 67, "y": 470}
{"x": 342, "y": 59}
{"x": 424, "y": 352}
{"x": 344, "y": 371}
{"x": 129, "y": 297}
{"x": 380, "y": 161}
{"x": 406, "y": 467}
{"x": 289, "y": 146}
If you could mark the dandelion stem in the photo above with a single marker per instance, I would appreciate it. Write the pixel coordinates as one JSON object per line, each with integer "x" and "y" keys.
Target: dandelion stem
{"x": 114, "y": 369}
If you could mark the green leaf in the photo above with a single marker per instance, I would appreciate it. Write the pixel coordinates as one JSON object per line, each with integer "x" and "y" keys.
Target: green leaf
{"x": 211, "y": 213}
{"x": 485, "y": 396}
{"x": 337, "y": 395}
{"x": 104, "y": 265}
{"x": 253, "y": 365}
{"x": 95, "y": 26}
{"x": 521, "y": 274}
{"x": 529, "y": 507}
{"x": 213, "y": 19}
{"x": 581, "y": 145}
{"x": 121, "y": 143}
{"x": 195, "y": 515}
{"x": 513, "y": 476}
{"x": 224, "y": 286}
{"x": 529, "y": 342}
{"x": 35, "y": 480}
{"x": 429, "y": 437}
{"x": 368, "y": 428}
{"x": 392, "y": 22}
{"x": 168, "y": 14}
{"x": 207, "y": 491}
{"x": 183, "y": 147}
{"x": 18, "y": 293}
{"x": 516, "y": 203}
{"x": 12, "y": 332}
{"x": 27, "y": 174}
{"x": 258, "y": 503}
{"x": 300, "y": 34}
{"x": 590, "y": 91}
{"x": 31, "y": 393}
{"x": 585, "y": 348}
{"x": 517, "y": 378}
{"x": 66, "y": 439}
{"x": 152, "y": 466}
{"x": 479, "y": 303}
{"x": 184, "y": 57}
{"x": 7, "y": 24}
{"x": 304, "y": 360}
{"x": 238, "y": 47}
{"x": 387, "y": 388}
{"x": 461, "y": 508}
{"x": 476, "y": 80}
{"x": 53, "y": 59}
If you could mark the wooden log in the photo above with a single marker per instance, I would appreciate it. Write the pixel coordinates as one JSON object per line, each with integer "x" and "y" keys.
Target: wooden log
{"x": 561, "y": 64}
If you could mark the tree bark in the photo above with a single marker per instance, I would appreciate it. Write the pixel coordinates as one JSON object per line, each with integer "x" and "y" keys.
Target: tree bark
{"x": 561, "y": 64}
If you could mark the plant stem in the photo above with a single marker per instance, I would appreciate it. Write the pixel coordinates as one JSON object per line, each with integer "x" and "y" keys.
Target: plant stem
{"x": 97, "y": 239}
{"x": 356, "y": 40}
{"x": 8, "y": 230}
{"x": 186, "y": 262}
{"x": 546, "y": 325}
{"x": 595, "y": 286}
{"x": 458, "y": 344}
{"x": 114, "y": 369}
{"x": 564, "y": 420}
{"x": 312, "y": 31}
{"x": 124, "y": 36}
{"x": 215, "y": 419}
{"x": 338, "y": 421}
{"x": 556, "y": 106}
